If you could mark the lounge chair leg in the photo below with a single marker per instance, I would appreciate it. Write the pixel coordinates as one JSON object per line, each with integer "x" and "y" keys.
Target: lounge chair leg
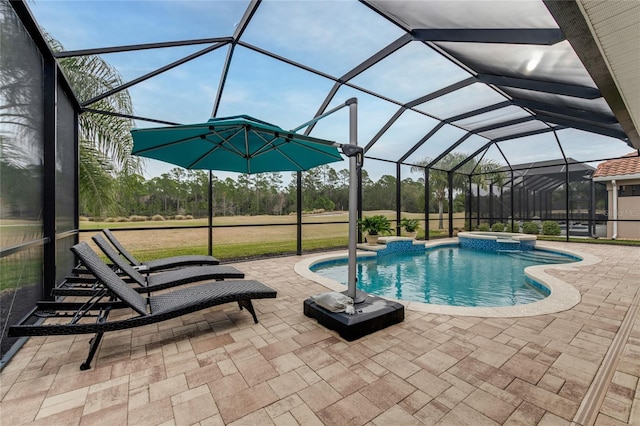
{"x": 249, "y": 306}
{"x": 95, "y": 342}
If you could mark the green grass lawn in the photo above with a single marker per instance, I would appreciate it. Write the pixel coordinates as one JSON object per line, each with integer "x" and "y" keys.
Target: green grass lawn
{"x": 20, "y": 269}
{"x": 237, "y": 237}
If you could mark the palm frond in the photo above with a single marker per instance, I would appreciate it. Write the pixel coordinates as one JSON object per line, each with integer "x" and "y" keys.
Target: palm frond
{"x": 98, "y": 193}
{"x": 105, "y": 140}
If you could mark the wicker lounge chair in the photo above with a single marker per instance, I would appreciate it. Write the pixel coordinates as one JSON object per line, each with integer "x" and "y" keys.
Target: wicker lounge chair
{"x": 117, "y": 294}
{"x": 160, "y": 264}
{"x": 85, "y": 286}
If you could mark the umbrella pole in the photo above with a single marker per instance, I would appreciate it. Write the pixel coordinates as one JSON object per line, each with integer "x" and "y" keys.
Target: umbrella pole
{"x": 210, "y": 208}
{"x": 353, "y": 203}
{"x": 356, "y": 157}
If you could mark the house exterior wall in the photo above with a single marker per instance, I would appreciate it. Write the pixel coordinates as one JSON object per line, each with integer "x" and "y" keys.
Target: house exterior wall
{"x": 628, "y": 209}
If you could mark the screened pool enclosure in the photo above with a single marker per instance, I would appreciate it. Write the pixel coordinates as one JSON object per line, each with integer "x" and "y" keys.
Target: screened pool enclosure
{"x": 499, "y": 110}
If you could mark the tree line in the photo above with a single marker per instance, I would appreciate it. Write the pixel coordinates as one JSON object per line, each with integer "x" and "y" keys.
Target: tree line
{"x": 186, "y": 192}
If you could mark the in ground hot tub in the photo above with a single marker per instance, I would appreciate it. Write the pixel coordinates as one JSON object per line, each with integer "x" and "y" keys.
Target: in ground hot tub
{"x": 497, "y": 241}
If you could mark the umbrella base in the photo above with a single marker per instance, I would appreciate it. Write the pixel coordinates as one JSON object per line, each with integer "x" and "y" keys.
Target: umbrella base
{"x": 360, "y": 296}
{"x": 371, "y": 315}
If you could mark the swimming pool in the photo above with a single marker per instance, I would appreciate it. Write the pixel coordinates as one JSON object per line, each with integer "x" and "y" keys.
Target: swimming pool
{"x": 450, "y": 275}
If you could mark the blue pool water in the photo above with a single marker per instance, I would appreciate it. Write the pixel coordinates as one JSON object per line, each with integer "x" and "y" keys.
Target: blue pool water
{"x": 449, "y": 276}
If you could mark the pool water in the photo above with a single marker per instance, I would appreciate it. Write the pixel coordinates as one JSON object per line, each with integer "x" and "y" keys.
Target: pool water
{"x": 450, "y": 275}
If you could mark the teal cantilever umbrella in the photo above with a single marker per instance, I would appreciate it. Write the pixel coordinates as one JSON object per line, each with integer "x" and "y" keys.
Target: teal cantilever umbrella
{"x": 240, "y": 144}
{"x": 246, "y": 145}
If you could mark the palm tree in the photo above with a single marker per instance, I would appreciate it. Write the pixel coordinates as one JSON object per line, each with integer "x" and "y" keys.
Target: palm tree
{"x": 484, "y": 171}
{"x": 105, "y": 141}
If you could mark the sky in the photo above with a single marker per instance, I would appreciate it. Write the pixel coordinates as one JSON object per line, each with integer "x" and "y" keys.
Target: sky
{"x": 330, "y": 36}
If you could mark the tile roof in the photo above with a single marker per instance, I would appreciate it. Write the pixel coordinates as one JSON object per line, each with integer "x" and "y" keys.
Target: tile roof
{"x": 627, "y": 165}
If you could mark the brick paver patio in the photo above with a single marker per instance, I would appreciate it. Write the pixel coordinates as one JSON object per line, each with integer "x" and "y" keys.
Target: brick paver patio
{"x": 217, "y": 367}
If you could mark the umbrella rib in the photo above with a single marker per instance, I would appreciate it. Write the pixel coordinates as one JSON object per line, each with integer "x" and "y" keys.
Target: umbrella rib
{"x": 319, "y": 151}
{"x": 246, "y": 148}
{"x": 164, "y": 145}
{"x": 290, "y": 139}
{"x": 271, "y": 146}
{"x": 268, "y": 146}
{"x": 203, "y": 156}
{"x": 290, "y": 159}
{"x": 225, "y": 141}
{"x": 217, "y": 146}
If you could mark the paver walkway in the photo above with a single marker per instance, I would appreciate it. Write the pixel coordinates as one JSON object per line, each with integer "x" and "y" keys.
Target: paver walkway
{"x": 216, "y": 367}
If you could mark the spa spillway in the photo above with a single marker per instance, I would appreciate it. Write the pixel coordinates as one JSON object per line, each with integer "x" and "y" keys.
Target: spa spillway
{"x": 497, "y": 241}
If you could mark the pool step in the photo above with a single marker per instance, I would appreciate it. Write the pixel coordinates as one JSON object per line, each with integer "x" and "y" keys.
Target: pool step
{"x": 537, "y": 256}
{"x": 507, "y": 241}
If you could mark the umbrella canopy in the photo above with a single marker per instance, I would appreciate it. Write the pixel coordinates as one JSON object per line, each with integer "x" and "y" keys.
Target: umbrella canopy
{"x": 240, "y": 144}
